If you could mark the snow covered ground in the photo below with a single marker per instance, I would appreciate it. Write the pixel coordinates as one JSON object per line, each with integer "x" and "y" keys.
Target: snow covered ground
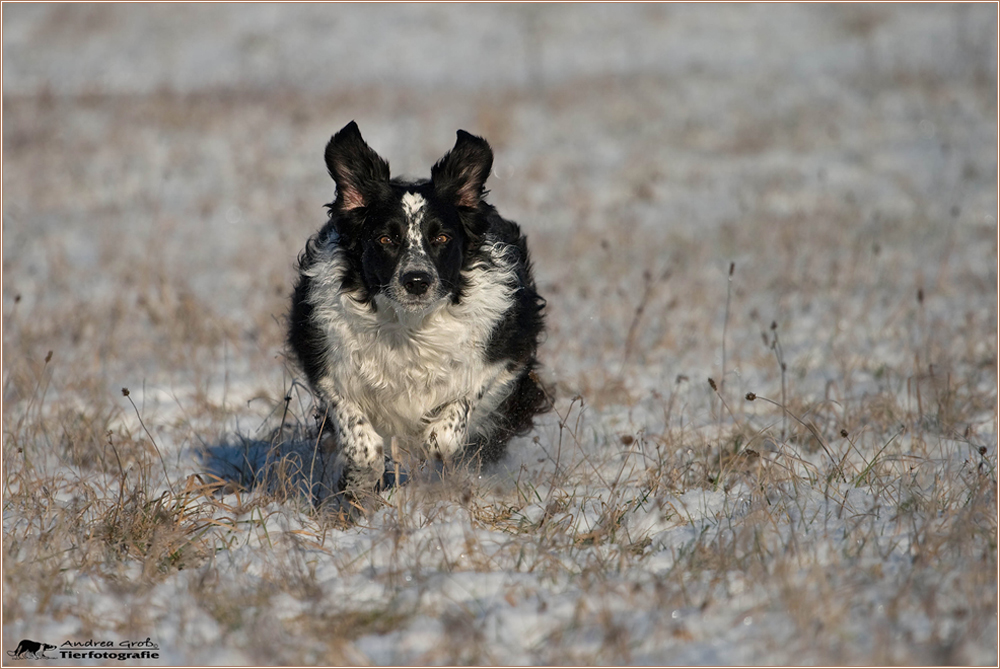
{"x": 798, "y": 202}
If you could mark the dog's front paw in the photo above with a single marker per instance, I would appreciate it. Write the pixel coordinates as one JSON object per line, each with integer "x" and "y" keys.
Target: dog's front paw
{"x": 445, "y": 431}
{"x": 357, "y": 489}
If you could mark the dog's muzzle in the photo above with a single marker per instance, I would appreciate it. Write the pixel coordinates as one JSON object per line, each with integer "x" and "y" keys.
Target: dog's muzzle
{"x": 416, "y": 284}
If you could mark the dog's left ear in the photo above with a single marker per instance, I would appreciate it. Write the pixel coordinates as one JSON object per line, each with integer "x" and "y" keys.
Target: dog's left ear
{"x": 360, "y": 173}
{"x": 460, "y": 175}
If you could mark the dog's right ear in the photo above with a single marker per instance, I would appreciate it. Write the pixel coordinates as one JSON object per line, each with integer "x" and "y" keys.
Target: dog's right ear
{"x": 360, "y": 173}
{"x": 459, "y": 176}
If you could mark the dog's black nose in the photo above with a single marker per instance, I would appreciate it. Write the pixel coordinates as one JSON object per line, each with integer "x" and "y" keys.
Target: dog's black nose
{"x": 416, "y": 283}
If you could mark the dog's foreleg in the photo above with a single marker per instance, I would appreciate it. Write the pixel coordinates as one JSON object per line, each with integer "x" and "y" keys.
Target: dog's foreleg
{"x": 361, "y": 454}
{"x": 447, "y": 429}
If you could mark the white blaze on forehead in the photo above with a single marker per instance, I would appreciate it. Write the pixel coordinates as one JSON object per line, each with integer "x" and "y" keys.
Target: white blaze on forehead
{"x": 413, "y": 208}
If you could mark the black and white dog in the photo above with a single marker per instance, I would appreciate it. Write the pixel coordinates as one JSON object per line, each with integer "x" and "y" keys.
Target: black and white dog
{"x": 415, "y": 314}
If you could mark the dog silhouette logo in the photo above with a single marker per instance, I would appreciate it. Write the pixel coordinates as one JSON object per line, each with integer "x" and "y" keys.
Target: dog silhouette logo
{"x": 34, "y": 650}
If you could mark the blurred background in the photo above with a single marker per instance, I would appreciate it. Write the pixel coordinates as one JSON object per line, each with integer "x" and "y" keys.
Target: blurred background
{"x": 163, "y": 164}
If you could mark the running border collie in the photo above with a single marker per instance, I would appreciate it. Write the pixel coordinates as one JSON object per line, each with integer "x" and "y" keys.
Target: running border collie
{"x": 415, "y": 315}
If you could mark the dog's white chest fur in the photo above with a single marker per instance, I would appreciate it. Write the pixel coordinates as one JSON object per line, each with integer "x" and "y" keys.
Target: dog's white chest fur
{"x": 399, "y": 368}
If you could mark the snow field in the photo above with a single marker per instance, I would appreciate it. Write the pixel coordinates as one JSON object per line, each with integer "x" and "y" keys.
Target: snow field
{"x": 163, "y": 169}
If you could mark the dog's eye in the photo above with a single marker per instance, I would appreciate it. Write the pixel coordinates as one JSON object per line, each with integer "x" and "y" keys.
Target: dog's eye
{"x": 385, "y": 240}
{"x": 442, "y": 239}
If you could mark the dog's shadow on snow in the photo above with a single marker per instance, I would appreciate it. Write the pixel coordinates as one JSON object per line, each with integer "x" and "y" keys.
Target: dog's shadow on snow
{"x": 299, "y": 466}
{"x": 294, "y": 467}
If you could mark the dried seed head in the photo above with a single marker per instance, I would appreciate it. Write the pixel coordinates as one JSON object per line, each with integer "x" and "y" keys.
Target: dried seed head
{"x": 751, "y": 397}
{"x": 732, "y": 268}
{"x": 711, "y": 382}
{"x": 843, "y": 433}
{"x": 627, "y": 439}
{"x": 982, "y": 450}
{"x": 774, "y": 325}
{"x": 48, "y": 357}
{"x": 125, "y": 392}
{"x": 920, "y": 295}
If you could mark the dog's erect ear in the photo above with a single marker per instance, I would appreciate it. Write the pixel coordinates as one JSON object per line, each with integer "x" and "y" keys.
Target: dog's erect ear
{"x": 359, "y": 172}
{"x": 459, "y": 176}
